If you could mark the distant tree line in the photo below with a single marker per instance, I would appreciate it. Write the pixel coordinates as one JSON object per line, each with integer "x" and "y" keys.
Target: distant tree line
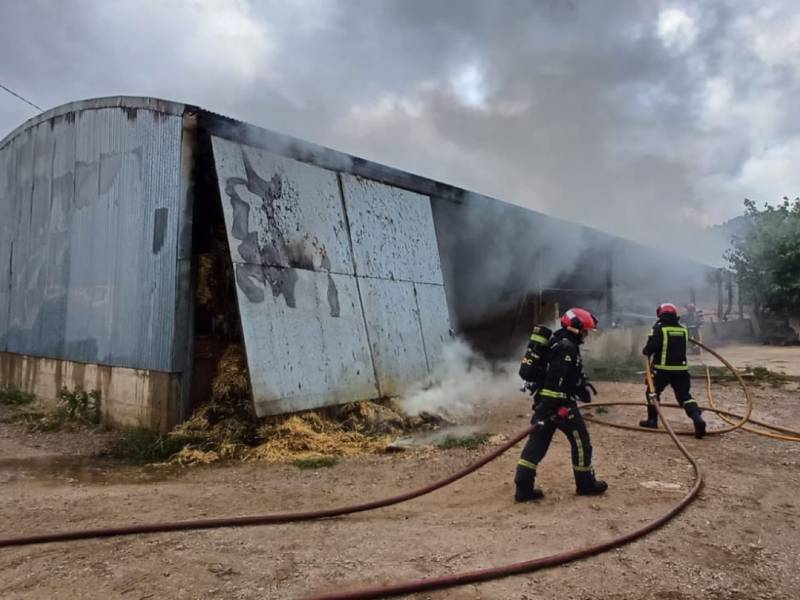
{"x": 766, "y": 259}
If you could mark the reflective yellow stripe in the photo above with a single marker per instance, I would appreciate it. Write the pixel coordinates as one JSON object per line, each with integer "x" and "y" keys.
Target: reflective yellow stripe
{"x": 579, "y": 444}
{"x": 582, "y": 469}
{"x": 526, "y": 463}
{"x": 689, "y": 402}
{"x": 538, "y": 338}
{"x": 551, "y": 394}
{"x": 664, "y": 343}
{"x": 666, "y": 332}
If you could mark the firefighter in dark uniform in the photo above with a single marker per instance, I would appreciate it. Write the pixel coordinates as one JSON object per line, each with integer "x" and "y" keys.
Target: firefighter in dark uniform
{"x": 666, "y": 350}
{"x": 555, "y": 407}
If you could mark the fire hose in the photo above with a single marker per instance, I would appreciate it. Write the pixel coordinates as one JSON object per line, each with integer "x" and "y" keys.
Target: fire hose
{"x": 447, "y": 581}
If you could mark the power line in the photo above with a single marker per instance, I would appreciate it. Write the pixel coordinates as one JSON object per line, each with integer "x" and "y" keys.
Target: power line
{"x": 13, "y": 93}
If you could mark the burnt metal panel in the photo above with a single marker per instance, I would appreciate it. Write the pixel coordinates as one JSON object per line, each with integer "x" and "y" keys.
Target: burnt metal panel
{"x": 282, "y": 213}
{"x": 302, "y": 321}
{"x": 398, "y": 350}
{"x": 392, "y": 232}
{"x": 311, "y": 354}
{"x": 96, "y": 199}
{"x": 434, "y": 321}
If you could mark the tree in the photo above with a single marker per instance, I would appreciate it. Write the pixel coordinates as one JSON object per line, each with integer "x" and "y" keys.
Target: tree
{"x": 766, "y": 259}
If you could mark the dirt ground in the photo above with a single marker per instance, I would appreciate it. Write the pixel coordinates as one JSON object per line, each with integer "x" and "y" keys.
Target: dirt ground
{"x": 780, "y": 359}
{"x": 738, "y": 541}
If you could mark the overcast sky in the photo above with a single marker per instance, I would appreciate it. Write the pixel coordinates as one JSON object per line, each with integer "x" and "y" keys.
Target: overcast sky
{"x": 641, "y": 118}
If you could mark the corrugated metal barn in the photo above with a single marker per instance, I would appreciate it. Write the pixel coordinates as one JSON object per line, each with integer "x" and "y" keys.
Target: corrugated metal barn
{"x": 139, "y": 237}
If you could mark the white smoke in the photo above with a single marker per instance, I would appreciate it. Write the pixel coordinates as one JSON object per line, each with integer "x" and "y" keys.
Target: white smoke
{"x": 462, "y": 383}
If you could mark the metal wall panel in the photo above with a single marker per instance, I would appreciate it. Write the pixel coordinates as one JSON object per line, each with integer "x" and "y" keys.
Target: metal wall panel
{"x": 434, "y": 321}
{"x": 311, "y": 354}
{"x": 96, "y": 204}
{"x": 8, "y": 205}
{"x": 392, "y": 232}
{"x": 395, "y": 336}
{"x": 304, "y": 331}
{"x": 283, "y": 213}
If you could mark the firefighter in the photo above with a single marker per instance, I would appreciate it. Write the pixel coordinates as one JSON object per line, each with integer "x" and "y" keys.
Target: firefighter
{"x": 666, "y": 350}
{"x": 555, "y": 407}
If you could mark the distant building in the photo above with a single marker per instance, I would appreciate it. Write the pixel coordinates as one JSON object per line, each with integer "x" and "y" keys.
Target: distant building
{"x": 139, "y": 238}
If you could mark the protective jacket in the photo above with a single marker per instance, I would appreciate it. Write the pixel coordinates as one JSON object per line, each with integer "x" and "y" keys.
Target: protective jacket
{"x": 667, "y": 343}
{"x": 565, "y": 368}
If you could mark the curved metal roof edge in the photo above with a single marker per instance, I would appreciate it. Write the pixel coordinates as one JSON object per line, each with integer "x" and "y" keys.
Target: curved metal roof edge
{"x": 130, "y": 102}
{"x": 360, "y": 166}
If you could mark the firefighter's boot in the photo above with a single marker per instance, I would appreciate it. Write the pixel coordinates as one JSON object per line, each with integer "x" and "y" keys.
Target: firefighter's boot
{"x": 697, "y": 419}
{"x": 651, "y": 422}
{"x": 586, "y": 484}
{"x": 525, "y": 491}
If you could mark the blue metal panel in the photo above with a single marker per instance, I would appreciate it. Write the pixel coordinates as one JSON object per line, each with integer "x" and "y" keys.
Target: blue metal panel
{"x": 395, "y": 336}
{"x": 302, "y": 321}
{"x": 282, "y": 213}
{"x": 392, "y": 232}
{"x": 434, "y": 320}
{"x": 96, "y": 199}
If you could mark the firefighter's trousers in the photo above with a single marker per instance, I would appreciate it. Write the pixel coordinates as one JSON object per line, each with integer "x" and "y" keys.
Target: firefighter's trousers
{"x": 681, "y": 386}
{"x": 546, "y": 420}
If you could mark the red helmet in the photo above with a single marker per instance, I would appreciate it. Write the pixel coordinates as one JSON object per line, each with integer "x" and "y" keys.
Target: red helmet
{"x": 579, "y": 319}
{"x": 667, "y": 307}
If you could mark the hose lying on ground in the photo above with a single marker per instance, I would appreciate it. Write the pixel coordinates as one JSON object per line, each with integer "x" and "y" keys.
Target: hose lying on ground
{"x": 448, "y": 581}
{"x": 782, "y": 436}
{"x": 435, "y": 583}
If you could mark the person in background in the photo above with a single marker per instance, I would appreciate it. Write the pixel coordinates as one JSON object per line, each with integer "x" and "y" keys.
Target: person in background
{"x": 666, "y": 350}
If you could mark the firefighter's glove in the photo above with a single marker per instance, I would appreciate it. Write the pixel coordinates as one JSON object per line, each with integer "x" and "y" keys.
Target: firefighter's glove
{"x": 584, "y": 391}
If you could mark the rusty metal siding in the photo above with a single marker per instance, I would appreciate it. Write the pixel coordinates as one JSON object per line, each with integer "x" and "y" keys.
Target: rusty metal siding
{"x": 96, "y": 203}
{"x": 392, "y": 231}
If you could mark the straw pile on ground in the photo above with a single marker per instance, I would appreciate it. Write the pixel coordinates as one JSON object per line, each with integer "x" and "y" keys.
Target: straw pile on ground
{"x": 226, "y": 427}
{"x": 311, "y": 435}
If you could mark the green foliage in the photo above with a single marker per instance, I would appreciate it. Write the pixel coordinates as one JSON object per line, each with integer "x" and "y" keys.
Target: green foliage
{"x": 469, "y": 442}
{"x": 315, "y": 463}
{"x": 143, "y": 445}
{"x": 80, "y": 405}
{"x": 620, "y": 369}
{"x": 766, "y": 259}
{"x": 764, "y": 375}
{"x": 11, "y": 396}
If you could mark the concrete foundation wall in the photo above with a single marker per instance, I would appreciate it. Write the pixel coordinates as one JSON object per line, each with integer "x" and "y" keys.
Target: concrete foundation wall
{"x": 129, "y": 397}
{"x": 621, "y": 343}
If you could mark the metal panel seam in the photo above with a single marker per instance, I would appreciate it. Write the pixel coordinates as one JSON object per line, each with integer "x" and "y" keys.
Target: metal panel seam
{"x": 421, "y": 332}
{"x": 358, "y": 283}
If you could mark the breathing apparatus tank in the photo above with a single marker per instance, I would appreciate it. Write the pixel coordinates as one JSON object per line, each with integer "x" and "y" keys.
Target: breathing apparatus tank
{"x": 534, "y": 363}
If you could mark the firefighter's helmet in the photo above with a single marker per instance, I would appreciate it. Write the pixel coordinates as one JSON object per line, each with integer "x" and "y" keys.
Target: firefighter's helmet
{"x": 579, "y": 319}
{"x": 667, "y": 308}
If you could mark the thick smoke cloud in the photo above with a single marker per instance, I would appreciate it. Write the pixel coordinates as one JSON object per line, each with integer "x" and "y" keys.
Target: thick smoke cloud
{"x": 646, "y": 119}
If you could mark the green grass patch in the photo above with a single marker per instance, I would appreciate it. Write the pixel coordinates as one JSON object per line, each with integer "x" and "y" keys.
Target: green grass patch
{"x": 625, "y": 369}
{"x": 764, "y": 375}
{"x": 138, "y": 445}
{"x": 11, "y": 396}
{"x": 470, "y": 442}
{"x": 314, "y": 463}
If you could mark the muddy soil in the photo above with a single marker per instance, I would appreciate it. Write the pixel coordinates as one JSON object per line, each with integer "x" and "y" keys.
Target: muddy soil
{"x": 738, "y": 541}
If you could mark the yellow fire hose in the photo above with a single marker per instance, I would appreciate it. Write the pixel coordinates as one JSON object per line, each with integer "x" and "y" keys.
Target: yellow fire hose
{"x": 749, "y": 428}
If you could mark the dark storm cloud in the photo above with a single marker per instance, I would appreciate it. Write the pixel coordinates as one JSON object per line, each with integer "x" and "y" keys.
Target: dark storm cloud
{"x": 616, "y": 114}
